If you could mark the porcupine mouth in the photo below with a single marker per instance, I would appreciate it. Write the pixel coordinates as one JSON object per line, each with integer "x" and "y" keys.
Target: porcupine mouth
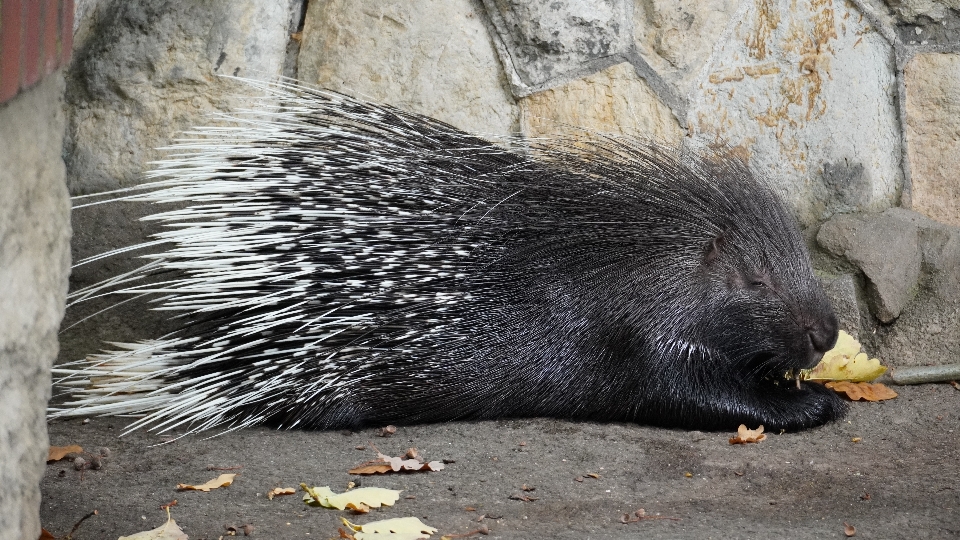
{"x": 771, "y": 370}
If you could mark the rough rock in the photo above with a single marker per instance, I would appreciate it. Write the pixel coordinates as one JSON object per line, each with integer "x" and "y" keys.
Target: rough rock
{"x": 913, "y": 10}
{"x": 932, "y": 81}
{"x": 547, "y": 42}
{"x": 613, "y": 101}
{"x": 806, "y": 93}
{"x": 885, "y": 247}
{"x": 434, "y": 57}
{"x": 145, "y": 71}
{"x": 928, "y": 330}
{"x": 676, "y": 37}
{"x": 34, "y": 265}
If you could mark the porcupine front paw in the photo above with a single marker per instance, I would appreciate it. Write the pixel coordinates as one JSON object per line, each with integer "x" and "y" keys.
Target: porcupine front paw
{"x": 795, "y": 408}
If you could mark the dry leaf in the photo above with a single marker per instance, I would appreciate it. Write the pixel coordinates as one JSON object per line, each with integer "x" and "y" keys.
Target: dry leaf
{"x": 369, "y": 496}
{"x": 745, "y": 435}
{"x": 385, "y": 464}
{"x": 167, "y": 531}
{"x": 849, "y": 529}
{"x": 407, "y": 528}
{"x": 46, "y": 535}
{"x": 223, "y": 480}
{"x": 56, "y": 453}
{"x": 862, "y": 390}
{"x": 280, "y": 491}
{"x": 845, "y": 362}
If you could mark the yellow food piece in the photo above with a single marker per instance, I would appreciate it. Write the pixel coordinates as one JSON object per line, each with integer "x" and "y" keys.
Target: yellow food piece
{"x": 845, "y": 362}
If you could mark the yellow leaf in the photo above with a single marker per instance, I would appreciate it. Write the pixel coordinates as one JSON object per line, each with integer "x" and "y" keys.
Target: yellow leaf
{"x": 845, "y": 362}
{"x": 280, "y": 491}
{"x": 369, "y": 496}
{"x": 168, "y": 531}
{"x": 408, "y": 528}
{"x": 223, "y": 480}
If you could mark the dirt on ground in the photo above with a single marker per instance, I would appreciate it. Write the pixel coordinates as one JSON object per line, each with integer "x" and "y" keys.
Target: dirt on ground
{"x": 890, "y": 469}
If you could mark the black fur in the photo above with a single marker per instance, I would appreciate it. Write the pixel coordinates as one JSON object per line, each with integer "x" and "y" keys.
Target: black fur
{"x": 605, "y": 281}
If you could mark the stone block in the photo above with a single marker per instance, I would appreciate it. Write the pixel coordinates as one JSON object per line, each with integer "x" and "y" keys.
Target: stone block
{"x": 433, "y": 57}
{"x": 932, "y": 81}
{"x": 34, "y": 265}
{"x": 145, "y": 71}
{"x": 805, "y": 92}
{"x": 548, "y": 42}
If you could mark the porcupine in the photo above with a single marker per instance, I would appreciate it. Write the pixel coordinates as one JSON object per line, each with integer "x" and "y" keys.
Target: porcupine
{"x": 343, "y": 263}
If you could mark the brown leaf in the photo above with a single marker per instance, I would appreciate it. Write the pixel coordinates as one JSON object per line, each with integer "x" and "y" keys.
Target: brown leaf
{"x": 280, "y": 491}
{"x": 221, "y": 481}
{"x": 371, "y": 468}
{"x": 56, "y": 453}
{"x": 45, "y": 535}
{"x": 387, "y": 431}
{"x": 522, "y": 497}
{"x": 862, "y": 390}
{"x": 745, "y": 435}
{"x": 849, "y": 529}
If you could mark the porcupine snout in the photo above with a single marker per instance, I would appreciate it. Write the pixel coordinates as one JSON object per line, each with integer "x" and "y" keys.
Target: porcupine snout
{"x": 823, "y": 336}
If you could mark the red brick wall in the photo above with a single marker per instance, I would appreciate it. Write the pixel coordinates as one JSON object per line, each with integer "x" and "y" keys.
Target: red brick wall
{"x": 35, "y": 39}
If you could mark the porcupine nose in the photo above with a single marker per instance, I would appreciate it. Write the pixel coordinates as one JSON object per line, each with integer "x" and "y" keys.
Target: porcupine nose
{"x": 823, "y": 336}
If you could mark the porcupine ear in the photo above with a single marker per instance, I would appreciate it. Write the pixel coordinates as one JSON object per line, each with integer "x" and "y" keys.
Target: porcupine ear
{"x": 713, "y": 248}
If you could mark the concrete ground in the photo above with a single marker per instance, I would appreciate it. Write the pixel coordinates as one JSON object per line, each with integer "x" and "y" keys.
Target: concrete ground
{"x": 900, "y": 480}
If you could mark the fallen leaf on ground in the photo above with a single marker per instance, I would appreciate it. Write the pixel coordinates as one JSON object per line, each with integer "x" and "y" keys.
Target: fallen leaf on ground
{"x": 370, "y": 496}
{"x": 862, "y": 390}
{"x": 386, "y": 464}
{"x": 46, "y": 535}
{"x": 168, "y": 531}
{"x": 223, "y": 480}
{"x": 845, "y": 362}
{"x": 522, "y": 497}
{"x": 849, "y": 529}
{"x": 280, "y": 491}
{"x": 56, "y": 453}
{"x": 407, "y": 528}
{"x": 745, "y": 435}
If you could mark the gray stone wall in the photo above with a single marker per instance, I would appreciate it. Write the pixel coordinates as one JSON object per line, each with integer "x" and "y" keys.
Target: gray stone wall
{"x": 34, "y": 265}
{"x": 849, "y": 108}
